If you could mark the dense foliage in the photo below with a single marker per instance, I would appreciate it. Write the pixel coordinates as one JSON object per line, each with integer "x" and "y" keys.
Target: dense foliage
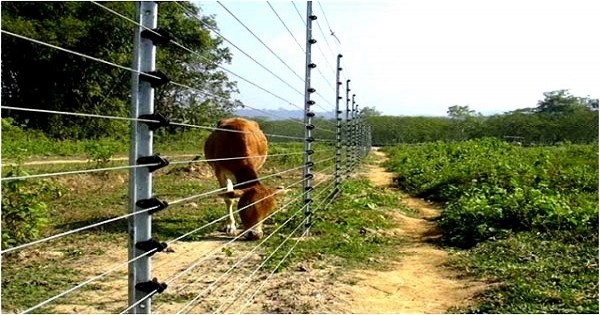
{"x": 491, "y": 187}
{"x": 36, "y": 76}
{"x": 559, "y": 117}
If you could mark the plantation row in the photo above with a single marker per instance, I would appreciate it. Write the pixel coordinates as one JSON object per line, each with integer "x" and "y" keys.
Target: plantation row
{"x": 529, "y": 215}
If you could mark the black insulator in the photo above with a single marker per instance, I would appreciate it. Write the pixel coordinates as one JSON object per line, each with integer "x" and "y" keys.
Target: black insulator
{"x": 158, "y": 36}
{"x": 153, "y": 159}
{"x": 312, "y": 65}
{"x": 155, "y": 78}
{"x": 160, "y": 120}
{"x": 150, "y": 245}
{"x": 154, "y": 203}
{"x": 151, "y": 286}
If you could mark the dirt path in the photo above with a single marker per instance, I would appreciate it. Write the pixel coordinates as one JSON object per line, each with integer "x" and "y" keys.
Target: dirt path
{"x": 417, "y": 282}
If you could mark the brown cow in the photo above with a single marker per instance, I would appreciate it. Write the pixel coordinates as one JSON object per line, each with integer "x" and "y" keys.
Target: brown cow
{"x": 249, "y": 142}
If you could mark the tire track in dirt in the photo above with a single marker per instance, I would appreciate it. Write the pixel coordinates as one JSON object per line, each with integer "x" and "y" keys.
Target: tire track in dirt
{"x": 417, "y": 282}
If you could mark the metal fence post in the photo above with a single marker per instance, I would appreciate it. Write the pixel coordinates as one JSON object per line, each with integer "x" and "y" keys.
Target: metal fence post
{"x": 347, "y": 133}
{"x": 140, "y": 179}
{"x": 308, "y": 114}
{"x": 338, "y": 128}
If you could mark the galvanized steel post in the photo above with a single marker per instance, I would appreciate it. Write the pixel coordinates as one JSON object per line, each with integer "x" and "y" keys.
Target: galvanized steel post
{"x": 338, "y": 128}
{"x": 140, "y": 179}
{"x": 308, "y": 115}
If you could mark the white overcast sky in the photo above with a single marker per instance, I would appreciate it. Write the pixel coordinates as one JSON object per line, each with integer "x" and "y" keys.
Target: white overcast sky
{"x": 420, "y": 57}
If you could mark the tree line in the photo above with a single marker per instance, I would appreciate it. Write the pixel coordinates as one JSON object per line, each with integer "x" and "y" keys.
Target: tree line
{"x": 559, "y": 117}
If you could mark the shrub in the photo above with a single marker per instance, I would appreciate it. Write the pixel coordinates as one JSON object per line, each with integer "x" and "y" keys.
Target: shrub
{"x": 24, "y": 212}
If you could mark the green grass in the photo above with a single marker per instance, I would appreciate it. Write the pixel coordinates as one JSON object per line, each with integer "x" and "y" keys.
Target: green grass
{"x": 535, "y": 273}
{"x": 343, "y": 234}
{"x": 28, "y": 284}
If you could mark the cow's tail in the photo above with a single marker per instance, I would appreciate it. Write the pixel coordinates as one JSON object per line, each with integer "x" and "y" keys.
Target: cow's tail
{"x": 246, "y": 179}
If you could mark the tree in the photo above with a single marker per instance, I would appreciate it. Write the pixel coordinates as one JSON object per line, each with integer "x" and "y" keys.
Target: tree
{"x": 459, "y": 112}
{"x": 36, "y": 76}
{"x": 561, "y": 102}
{"x": 369, "y": 112}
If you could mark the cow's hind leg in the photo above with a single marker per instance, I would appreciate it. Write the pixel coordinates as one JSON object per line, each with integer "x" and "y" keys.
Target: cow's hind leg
{"x": 230, "y": 228}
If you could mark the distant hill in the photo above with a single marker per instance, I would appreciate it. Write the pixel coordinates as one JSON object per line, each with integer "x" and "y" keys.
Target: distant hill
{"x": 279, "y": 114}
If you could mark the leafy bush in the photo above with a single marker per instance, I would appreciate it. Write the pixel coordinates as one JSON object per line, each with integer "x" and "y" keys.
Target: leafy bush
{"x": 492, "y": 188}
{"x": 24, "y": 212}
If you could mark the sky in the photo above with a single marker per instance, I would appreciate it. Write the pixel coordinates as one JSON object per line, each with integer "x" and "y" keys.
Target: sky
{"x": 415, "y": 58}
